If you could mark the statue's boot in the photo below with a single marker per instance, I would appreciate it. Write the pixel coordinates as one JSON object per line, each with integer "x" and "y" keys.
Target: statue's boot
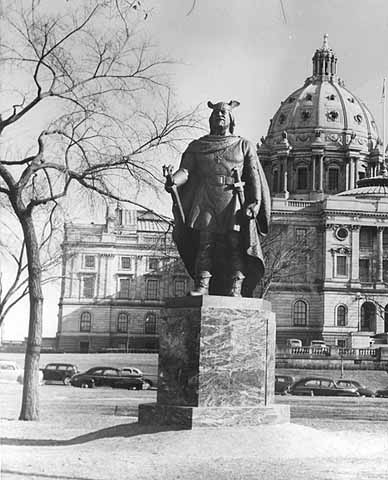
{"x": 235, "y": 289}
{"x": 201, "y": 285}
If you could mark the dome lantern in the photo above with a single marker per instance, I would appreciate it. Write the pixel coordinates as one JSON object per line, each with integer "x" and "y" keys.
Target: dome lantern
{"x": 324, "y": 61}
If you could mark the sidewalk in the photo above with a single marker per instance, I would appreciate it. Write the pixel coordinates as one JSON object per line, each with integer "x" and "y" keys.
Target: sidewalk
{"x": 120, "y": 449}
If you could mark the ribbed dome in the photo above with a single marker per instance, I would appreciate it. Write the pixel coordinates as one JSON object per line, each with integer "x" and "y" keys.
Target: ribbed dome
{"x": 369, "y": 187}
{"x": 324, "y": 111}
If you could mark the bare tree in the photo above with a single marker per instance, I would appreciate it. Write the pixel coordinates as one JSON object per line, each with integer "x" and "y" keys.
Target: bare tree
{"x": 94, "y": 94}
{"x": 288, "y": 260}
{"x": 14, "y": 284}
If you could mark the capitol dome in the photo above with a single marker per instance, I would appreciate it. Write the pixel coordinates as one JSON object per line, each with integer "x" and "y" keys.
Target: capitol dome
{"x": 326, "y": 133}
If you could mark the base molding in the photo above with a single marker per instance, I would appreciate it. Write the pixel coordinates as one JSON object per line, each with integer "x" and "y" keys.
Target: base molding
{"x": 188, "y": 417}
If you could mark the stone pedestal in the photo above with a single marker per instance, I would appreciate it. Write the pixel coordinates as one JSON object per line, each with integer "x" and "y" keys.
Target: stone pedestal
{"x": 216, "y": 364}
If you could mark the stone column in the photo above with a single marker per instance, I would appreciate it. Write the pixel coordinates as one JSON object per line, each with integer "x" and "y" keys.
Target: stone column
{"x": 216, "y": 364}
{"x": 321, "y": 173}
{"x": 356, "y": 162}
{"x": 354, "y": 273}
{"x": 313, "y": 173}
{"x": 380, "y": 232}
{"x": 285, "y": 177}
{"x": 347, "y": 174}
{"x": 351, "y": 176}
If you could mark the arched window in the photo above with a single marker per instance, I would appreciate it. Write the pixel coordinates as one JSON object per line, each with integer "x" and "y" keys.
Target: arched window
{"x": 150, "y": 324}
{"x": 300, "y": 313}
{"x": 341, "y": 316}
{"x": 86, "y": 322}
{"x": 301, "y": 178}
{"x": 368, "y": 317}
{"x": 386, "y": 319}
{"x": 122, "y": 323}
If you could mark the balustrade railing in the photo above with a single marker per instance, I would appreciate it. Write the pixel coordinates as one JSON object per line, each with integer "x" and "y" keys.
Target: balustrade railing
{"x": 352, "y": 353}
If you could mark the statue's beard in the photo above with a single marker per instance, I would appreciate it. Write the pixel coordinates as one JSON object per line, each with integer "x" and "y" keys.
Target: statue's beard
{"x": 219, "y": 129}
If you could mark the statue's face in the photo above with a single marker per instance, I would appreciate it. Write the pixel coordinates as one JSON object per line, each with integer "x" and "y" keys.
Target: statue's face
{"x": 220, "y": 120}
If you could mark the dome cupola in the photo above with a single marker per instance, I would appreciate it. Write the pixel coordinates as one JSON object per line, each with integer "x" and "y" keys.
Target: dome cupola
{"x": 324, "y": 61}
{"x": 331, "y": 136}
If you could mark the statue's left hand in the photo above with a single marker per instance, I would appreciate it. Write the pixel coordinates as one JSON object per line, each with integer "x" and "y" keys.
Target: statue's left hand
{"x": 252, "y": 210}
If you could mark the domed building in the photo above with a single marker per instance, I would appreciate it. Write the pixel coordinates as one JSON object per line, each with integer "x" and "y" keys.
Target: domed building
{"x": 322, "y": 155}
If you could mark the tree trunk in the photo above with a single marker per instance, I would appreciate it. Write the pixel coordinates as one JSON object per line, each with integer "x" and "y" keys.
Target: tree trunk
{"x": 30, "y": 402}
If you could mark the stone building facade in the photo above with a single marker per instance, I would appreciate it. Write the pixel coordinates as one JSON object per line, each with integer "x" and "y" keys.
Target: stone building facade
{"x": 321, "y": 145}
{"x": 115, "y": 277}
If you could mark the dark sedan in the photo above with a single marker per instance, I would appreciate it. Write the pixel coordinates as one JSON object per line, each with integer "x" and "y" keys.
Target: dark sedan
{"x": 107, "y": 377}
{"x": 361, "y": 389}
{"x": 321, "y": 387}
{"x": 59, "y": 372}
{"x": 382, "y": 393}
{"x": 283, "y": 383}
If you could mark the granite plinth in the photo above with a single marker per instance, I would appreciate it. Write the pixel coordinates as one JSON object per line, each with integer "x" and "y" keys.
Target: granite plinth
{"x": 194, "y": 417}
{"x": 216, "y": 358}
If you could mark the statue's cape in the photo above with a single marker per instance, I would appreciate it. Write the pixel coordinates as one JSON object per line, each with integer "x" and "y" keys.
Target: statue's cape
{"x": 212, "y": 144}
{"x": 187, "y": 239}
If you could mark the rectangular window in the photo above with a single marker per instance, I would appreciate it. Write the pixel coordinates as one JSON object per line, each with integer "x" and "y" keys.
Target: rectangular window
{"x": 152, "y": 289}
{"x": 302, "y": 178}
{"x": 124, "y": 287}
{"x": 90, "y": 261}
{"x": 341, "y": 270}
{"x": 301, "y": 235}
{"x": 385, "y": 241}
{"x": 180, "y": 287}
{"x": 122, "y": 323}
{"x": 364, "y": 270}
{"x": 367, "y": 235}
{"x": 341, "y": 343}
{"x": 153, "y": 264}
{"x": 275, "y": 181}
{"x": 86, "y": 322}
{"x": 126, "y": 263}
{"x": 385, "y": 271}
{"x": 333, "y": 179}
{"x": 88, "y": 287}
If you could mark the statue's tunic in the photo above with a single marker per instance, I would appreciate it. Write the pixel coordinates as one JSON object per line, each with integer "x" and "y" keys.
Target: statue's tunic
{"x": 210, "y": 202}
{"x": 208, "y": 165}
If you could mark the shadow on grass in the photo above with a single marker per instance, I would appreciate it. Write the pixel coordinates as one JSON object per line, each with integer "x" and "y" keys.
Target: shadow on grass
{"x": 35, "y": 476}
{"x": 125, "y": 430}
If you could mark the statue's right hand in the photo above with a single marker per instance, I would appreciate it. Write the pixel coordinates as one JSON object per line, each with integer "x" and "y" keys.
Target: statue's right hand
{"x": 169, "y": 184}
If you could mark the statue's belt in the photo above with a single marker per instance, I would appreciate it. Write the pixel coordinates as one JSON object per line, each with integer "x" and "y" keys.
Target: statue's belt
{"x": 220, "y": 180}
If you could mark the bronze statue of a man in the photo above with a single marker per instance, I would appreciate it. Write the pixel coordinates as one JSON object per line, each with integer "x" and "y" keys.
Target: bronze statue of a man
{"x": 222, "y": 205}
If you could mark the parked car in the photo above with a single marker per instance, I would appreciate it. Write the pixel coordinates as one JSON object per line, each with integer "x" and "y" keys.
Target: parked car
{"x": 362, "y": 390}
{"x": 283, "y": 383}
{"x": 138, "y": 373}
{"x": 11, "y": 372}
{"x": 293, "y": 342}
{"x": 318, "y": 344}
{"x": 321, "y": 386}
{"x": 59, "y": 372}
{"x": 382, "y": 393}
{"x": 107, "y": 377}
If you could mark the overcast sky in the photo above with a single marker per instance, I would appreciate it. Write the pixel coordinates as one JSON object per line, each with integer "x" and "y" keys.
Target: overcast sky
{"x": 258, "y": 53}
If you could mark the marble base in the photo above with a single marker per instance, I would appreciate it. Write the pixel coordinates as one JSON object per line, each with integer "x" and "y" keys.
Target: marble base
{"x": 194, "y": 417}
{"x": 216, "y": 363}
